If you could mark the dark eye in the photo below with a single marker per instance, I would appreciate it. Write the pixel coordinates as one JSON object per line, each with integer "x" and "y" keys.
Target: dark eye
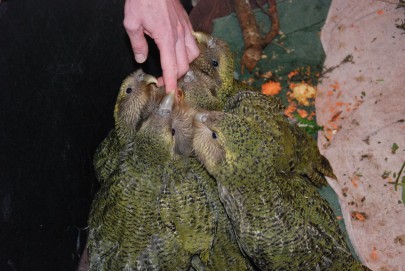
{"x": 128, "y": 90}
{"x": 214, "y": 135}
{"x": 173, "y": 132}
{"x": 214, "y": 63}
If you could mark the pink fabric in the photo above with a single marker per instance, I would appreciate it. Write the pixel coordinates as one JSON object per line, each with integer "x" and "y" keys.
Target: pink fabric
{"x": 361, "y": 104}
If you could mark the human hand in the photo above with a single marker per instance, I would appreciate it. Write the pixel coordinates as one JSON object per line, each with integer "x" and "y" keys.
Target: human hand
{"x": 167, "y": 23}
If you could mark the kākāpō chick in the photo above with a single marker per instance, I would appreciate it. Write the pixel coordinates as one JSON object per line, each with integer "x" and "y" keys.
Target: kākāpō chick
{"x": 279, "y": 218}
{"x": 300, "y": 152}
{"x": 124, "y": 230}
{"x": 212, "y": 73}
{"x": 189, "y": 207}
{"x": 210, "y": 80}
{"x": 137, "y": 98}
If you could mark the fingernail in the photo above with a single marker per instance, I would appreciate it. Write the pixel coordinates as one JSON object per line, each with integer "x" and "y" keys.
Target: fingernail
{"x": 140, "y": 58}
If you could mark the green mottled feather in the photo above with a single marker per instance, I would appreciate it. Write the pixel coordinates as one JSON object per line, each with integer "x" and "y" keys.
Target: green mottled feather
{"x": 124, "y": 215}
{"x": 300, "y": 152}
{"x": 225, "y": 253}
{"x": 105, "y": 159}
{"x": 280, "y": 220}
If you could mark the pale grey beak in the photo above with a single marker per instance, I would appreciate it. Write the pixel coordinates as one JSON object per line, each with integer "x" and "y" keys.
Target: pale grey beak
{"x": 201, "y": 37}
{"x": 201, "y": 117}
{"x": 149, "y": 79}
{"x": 165, "y": 107}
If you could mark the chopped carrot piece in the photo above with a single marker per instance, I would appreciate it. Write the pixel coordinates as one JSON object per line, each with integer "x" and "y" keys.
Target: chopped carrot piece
{"x": 373, "y": 254}
{"x": 354, "y": 181}
{"x": 360, "y": 217}
{"x": 267, "y": 74}
{"x": 312, "y": 115}
{"x": 336, "y": 116}
{"x": 328, "y": 134}
{"x": 335, "y": 85}
{"x": 292, "y": 86}
{"x": 291, "y": 108}
{"x": 302, "y": 92}
{"x": 303, "y": 113}
{"x": 292, "y": 74}
{"x": 271, "y": 88}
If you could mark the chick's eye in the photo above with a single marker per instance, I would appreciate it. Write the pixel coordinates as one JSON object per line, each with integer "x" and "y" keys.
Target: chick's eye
{"x": 214, "y": 135}
{"x": 214, "y": 63}
{"x": 173, "y": 131}
{"x": 128, "y": 90}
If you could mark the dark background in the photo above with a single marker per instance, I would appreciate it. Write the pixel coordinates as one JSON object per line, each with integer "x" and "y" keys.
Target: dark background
{"x": 61, "y": 65}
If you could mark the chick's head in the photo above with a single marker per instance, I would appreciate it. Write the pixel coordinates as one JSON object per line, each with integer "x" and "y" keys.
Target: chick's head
{"x": 217, "y": 62}
{"x": 226, "y": 143}
{"x": 168, "y": 131}
{"x": 137, "y": 98}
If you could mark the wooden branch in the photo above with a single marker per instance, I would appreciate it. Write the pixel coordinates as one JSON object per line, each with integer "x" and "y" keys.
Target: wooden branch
{"x": 275, "y": 23}
{"x": 254, "y": 43}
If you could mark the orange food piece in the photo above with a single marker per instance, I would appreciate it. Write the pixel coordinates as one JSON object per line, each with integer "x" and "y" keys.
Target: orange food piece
{"x": 380, "y": 12}
{"x": 333, "y": 126}
{"x": 292, "y": 74}
{"x": 360, "y": 217}
{"x": 271, "y": 88}
{"x": 312, "y": 115}
{"x": 373, "y": 254}
{"x": 267, "y": 74}
{"x": 335, "y": 86}
{"x": 354, "y": 181}
{"x": 291, "y": 86}
{"x": 336, "y": 116}
{"x": 303, "y": 113}
{"x": 328, "y": 134}
{"x": 291, "y": 108}
{"x": 302, "y": 92}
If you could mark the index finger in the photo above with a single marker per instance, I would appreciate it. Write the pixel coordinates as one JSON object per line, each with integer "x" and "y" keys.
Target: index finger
{"x": 169, "y": 65}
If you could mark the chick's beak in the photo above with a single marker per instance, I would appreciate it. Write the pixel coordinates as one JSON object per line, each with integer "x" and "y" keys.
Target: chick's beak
{"x": 200, "y": 117}
{"x": 165, "y": 107}
{"x": 201, "y": 37}
{"x": 150, "y": 79}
